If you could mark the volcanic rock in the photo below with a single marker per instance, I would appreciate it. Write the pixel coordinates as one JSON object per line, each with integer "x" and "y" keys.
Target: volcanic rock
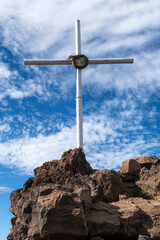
{"x": 130, "y": 167}
{"x": 68, "y": 200}
{"x": 149, "y": 180}
{"x": 147, "y": 161}
{"x": 105, "y": 185}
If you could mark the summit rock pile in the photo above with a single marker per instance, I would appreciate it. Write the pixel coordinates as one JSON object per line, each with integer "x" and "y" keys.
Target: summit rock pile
{"x": 68, "y": 200}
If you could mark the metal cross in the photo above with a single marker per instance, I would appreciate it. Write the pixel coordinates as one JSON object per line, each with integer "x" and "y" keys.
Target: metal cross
{"x": 79, "y": 61}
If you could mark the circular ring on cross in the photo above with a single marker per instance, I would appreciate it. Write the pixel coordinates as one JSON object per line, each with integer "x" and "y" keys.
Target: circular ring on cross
{"x": 80, "y": 61}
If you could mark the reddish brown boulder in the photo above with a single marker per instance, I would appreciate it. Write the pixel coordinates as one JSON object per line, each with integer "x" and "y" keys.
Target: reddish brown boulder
{"x": 103, "y": 220}
{"x": 152, "y": 210}
{"x": 106, "y": 185}
{"x": 131, "y": 218}
{"x": 46, "y": 166}
{"x": 130, "y": 167}
{"x": 60, "y": 213}
{"x": 147, "y": 161}
{"x": 57, "y": 210}
{"x": 75, "y": 161}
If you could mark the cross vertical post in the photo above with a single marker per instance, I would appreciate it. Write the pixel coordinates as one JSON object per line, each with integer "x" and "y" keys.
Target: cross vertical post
{"x": 79, "y": 117}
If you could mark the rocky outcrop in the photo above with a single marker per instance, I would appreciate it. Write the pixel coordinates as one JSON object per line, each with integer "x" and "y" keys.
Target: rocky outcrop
{"x": 68, "y": 200}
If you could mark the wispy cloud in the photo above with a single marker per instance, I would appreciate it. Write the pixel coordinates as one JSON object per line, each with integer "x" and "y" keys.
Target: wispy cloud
{"x": 5, "y": 189}
{"x": 107, "y": 142}
{"x": 127, "y": 25}
{"x": 26, "y": 154}
{"x": 5, "y": 128}
{"x": 4, "y": 71}
{"x": 35, "y": 33}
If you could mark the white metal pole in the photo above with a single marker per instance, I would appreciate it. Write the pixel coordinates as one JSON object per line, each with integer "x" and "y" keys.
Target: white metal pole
{"x": 79, "y": 88}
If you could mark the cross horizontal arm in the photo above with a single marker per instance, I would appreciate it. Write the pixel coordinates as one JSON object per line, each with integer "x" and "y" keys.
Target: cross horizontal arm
{"x": 69, "y": 62}
{"x": 47, "y": 62}
{"x": 111, "y": 60}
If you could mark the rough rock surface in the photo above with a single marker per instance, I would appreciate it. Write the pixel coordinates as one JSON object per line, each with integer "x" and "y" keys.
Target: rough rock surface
{"x": 149, "y": 180}
{"x": 147, "y": 161}
{"x": 68, "y": 200}
{"x": 130, "y": 167}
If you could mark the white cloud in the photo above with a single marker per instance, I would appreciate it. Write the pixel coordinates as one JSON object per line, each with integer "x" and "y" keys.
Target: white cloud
{"x": 112, "y": 158}
{"x": 42, "y": 25}
{"x": 30, "y": 88}
{"x": 107, "y": 142}
{"x": 4, "y": 71}
{"x": 7, "y": 78}
{"x": 5, "y": 189}
{"x": 13, "y": 85}
{"x": 5, "y": 128}
{"x": 138, "y": 18}
{"x": 28, "y": 153}
{"x": 144, "y": 73}
{"x": 118, "y": 42}
{"x": 46, "y": 28}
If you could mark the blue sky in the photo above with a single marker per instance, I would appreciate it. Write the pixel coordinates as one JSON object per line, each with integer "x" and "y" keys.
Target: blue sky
{"x": 121, "y": 103}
